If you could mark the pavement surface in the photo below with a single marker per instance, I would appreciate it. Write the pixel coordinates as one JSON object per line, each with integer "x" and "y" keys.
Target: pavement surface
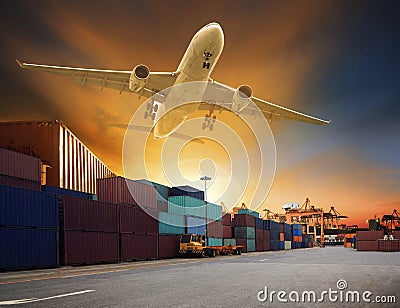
{"x": 225, "y": 281}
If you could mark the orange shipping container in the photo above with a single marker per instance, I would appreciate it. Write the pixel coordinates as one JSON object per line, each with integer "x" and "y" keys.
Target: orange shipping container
{"x": 281, "y": 237}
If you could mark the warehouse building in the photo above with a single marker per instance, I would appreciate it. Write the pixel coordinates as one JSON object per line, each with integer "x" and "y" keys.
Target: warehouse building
{"x": 67, "y": 162}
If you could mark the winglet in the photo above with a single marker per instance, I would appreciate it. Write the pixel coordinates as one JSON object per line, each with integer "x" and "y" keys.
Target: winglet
{"x": 20, "y": 64}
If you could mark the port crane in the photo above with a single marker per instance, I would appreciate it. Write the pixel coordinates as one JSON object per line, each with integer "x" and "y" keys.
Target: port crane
{"x": 313, "y": 216}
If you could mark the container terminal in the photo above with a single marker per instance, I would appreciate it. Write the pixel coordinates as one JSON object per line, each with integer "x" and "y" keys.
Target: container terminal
{"x": 62, "y": 208}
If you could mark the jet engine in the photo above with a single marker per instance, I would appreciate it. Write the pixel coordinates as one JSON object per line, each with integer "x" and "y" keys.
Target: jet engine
{"x": 139, "y": 77}
{"x": 241, "y": 98}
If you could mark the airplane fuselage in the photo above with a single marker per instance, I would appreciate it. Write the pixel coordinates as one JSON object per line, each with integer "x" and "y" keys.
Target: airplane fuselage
{"x": 198, "y": 62}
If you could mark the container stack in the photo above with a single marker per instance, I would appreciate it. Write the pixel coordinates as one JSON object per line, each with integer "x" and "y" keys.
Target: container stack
{"x": 137, "y": 209}
{"x": 274, "y": 229}
{"x": 244, "y": 231}
{"x": 68, "y": 192}
{"x": 28, "y": 229}
{"x": 227, "y": 230}
{"x": 88, "y": 231}
{"x": 263, "y": 236}
{"x": 297, "y": 236}
{"x": 215, "y": 233}
{"x": 162, "y": 194}
{"x": 138, "y": 233}
{"x": 368, "y": 240}
{"x": 19, "y": 170}
{"x": 287, "y": 236}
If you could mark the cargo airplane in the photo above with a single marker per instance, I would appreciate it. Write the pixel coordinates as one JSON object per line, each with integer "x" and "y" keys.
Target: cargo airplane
{"x": 197, "y": 64}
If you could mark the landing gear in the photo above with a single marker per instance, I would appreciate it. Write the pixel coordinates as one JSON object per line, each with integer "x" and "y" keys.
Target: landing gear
{"x": 210, "y": 119}
{"x": 151, "y": 110}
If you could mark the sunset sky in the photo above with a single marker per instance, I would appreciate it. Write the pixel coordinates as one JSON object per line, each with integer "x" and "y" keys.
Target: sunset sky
{"x": 337, "y": 60}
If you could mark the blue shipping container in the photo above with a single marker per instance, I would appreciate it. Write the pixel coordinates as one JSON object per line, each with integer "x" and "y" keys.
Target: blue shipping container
{"x": 271, "y": 225}
{"x": 274, "y": 245}
{"x": 297, "y": 232}
{"x": 195, "y": 225}
{"x": 27, "y": 248}
{"x": 259, "y": 223}
{"x": 274, "y": 235}
{"x": 282, "y": 245}
{"x": 28, "y": 208}
{"x": 170, "y": 223}
{"x": 187, "y": 191}
{"x": 68, "y": 192}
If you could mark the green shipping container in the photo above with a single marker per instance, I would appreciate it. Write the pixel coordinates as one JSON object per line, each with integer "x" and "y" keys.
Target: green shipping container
{"x": 251, "y": 245}
{"x": 214, "y": 211}
{"x": 214, "y": 241}
{"x": 246, "y": 211}
{"x": 171, "y": 224}
{"x": 245, "y": 232}
{"x": 229, "y": 242}
{"x": 162, "y": 190}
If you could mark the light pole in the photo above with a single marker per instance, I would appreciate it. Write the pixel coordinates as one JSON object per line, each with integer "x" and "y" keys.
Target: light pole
{"x": 205, "y": 179}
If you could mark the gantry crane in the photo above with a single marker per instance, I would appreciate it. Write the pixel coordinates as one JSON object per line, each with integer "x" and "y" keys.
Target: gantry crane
{"x": 313, "y": 216}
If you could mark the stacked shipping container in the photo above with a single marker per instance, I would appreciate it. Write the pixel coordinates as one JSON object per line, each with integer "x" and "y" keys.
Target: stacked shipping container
{"x": 244, "y": 231}
{"x": 297, "y": 236}
{"x": 28, "y": 229}
{"x": 19, "y": 170}
{"x": 368, "y": 240}
{"x": 88, "y": 231}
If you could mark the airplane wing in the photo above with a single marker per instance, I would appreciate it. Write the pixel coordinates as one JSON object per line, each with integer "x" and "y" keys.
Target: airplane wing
{"x": 223, "y": 94}
{"x": 112, "y": 79}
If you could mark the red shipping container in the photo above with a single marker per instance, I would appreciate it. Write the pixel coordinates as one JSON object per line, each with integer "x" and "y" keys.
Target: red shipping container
{"x": 139, "y": 246}
{"x": 267, "y": 235}
{"x": 19, "y": 183}
{"x": 369, "y": 235}
{"x": 134, "y": 219}
{"x": 243, "y": 220}
{"x": 227, "y": 232}
{"x": 260, "y": 245}
{"x": 281, "y": 227}
{"x": 19, "y": 165}
{"x": 168, "y": 246}
{"x": 259, "y": 235}
{"x": 242, "y": 242}
{"x": 226, "y": 219}
{"x": 215, "y": 229}
{"x": 367, "y": 245}
{"x": 84, "y": 247}
{"x": 124, "y": 191}
{"x": 396, "y": 234}
{"x": 267, "y": 245}
{"x": 87, "y": 215}
{"x": 281, "y": 237}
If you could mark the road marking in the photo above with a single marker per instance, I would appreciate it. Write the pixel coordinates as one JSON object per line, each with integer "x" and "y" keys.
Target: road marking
{"x": 31, "y": 300}
{"x": 262, "y": 260}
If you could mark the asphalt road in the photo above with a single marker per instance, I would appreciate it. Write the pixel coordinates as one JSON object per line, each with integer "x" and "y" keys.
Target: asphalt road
{"x": 225, "y": 281}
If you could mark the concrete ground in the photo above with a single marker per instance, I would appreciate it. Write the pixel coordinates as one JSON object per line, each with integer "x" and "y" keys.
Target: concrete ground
{"x": 225, "y": 281}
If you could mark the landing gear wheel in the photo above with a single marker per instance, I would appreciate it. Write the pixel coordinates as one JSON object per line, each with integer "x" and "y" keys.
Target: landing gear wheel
{"x": 146, "y": 114}
{"x": 153, "y": 116}
{"x": 155, "y": 108}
